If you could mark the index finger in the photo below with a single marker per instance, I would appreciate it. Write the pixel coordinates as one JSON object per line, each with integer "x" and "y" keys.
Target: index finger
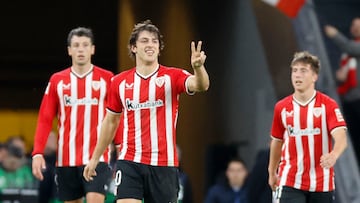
{"x": 192, "y": 47}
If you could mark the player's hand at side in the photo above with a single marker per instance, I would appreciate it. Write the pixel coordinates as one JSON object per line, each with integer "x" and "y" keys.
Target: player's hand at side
{"x": 327, "y": 160}
{"x": 273, "y": 179}
{"x": 38, "y": 166}
{"x": 89, "y": 170}
{"x": 198, "y": 57}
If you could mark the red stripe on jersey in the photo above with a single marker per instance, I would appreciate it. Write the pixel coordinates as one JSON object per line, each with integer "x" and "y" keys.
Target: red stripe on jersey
{"x": 305, "y": 129}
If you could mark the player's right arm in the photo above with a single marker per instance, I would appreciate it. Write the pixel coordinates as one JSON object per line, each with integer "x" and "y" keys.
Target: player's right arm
{"x": 107, "y": 134}
{"x": 274, "y": 160}
{"x": 47, "y": 112}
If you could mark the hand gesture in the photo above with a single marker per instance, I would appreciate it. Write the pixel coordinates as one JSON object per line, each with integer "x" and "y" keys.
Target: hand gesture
{"x": 197, "y": 56}
{"x": 38, "y": 166}
{"x": 89, "y": 170}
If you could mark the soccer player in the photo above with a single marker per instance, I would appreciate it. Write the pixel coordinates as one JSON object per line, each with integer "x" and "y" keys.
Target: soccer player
{"x": 77, "y": 96}
{"x": 302, "y": 154}
{"x": 147, "y": 96}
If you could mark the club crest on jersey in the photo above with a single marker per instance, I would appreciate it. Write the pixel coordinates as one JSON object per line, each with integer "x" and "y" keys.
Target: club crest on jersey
{"x": 339, "y": 116}
{"x": 160, "y": 81}
{"x": 317, "y": 112}
{"x": 129, "y": 86}
{"x": 95, "y": 85}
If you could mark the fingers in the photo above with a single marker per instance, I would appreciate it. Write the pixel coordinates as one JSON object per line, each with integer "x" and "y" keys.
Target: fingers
{"x": 38, "y": 166}
{"x": 192, "y": 47}
{"x": 89, "y": 173}
{"x": 198, "y": 47}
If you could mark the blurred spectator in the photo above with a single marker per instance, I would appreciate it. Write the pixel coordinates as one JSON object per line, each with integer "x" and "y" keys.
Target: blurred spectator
{"x": 18, "y": 141}
{"x": 348, "y": 76}
{"x": 185, "y": 189}
{"x": 3, "y": 152}
{"x": 231, "y": 190}
{"x": 13, "y": 172}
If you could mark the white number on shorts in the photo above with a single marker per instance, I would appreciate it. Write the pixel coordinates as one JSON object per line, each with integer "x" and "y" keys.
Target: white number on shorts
{"x": 118, "y": 177}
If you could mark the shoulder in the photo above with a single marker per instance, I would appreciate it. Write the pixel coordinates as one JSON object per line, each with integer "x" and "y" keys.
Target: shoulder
{"x": 122, "y": 75}
{"x": 284, "y": 101}
{"x": 103, "y": 71}
{"x": 172, "y": 70}
{"x": 325, "y": 98}
{"x": 60, "y": 74}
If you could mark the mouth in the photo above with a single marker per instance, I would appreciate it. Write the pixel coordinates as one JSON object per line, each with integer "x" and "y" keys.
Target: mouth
{"x": 149, "y": 52}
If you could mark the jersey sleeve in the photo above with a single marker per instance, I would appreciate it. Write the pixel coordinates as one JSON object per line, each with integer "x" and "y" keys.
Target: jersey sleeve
{"x": 47, "y": 112}
{"x": 277, "y": 128}
{"x": 114, "y": 103}
{"x": 334, "y": 116}
{"x": 181, "y": 81}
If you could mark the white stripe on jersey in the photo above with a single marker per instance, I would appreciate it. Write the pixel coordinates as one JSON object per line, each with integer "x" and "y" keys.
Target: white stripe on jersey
{"x": 311, "y": 145}
{"x": 124, "y": 142}
{"x": 325, "y": 147}
{"x": 87, "y": 114}
{"x": 137, "y": 118}
{"x": 168, "y": 121}
{"x": 299, "y": 147}
{"x": 153, "y": 122}
{"x": 73, "y": 121}
{"x": 62, "y": 125}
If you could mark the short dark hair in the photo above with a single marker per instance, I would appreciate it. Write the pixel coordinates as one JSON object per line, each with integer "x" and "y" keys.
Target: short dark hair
{"x": 80, "y": 31}
{"x": 307, "y": 58}
{"x": 144, "y": 26}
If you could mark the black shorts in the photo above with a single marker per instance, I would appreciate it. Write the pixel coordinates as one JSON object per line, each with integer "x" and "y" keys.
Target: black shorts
{"x": 292, "y": 195}
{"x": 71, "y": 184}
{"x": 154, "y": 184}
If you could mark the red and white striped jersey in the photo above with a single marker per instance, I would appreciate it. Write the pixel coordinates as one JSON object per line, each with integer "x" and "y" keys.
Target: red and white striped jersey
{"x": 306, "y": 132}
{"x": 150, "y": 109}
{"x": 79, "y": 103}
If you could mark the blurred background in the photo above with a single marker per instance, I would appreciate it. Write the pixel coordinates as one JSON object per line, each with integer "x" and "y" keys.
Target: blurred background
{"x": 248, "y": 43}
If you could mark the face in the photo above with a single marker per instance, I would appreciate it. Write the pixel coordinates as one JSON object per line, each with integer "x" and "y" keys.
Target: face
{"x": 236, "y": 174}
{"x": 11, "y": 163}
{"x": 302, "y": 77}
{"x": 355, "y": 27}
{"x": 146, "y": 48}
{"x": 81, "y": 49}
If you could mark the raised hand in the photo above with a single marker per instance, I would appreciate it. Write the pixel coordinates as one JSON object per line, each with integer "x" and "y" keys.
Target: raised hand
{"x": 197, "y": 56}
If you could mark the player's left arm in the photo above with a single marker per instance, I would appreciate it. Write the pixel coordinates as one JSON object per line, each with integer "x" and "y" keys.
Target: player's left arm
{"x": 200, "y": 80}
{"x": 340, "y": 144}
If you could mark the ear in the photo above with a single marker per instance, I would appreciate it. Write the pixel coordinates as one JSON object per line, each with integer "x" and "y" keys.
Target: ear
{"x": 69, "y": 50}
{"x": 315, "y": 77}
{"x": 92, "y": 49}
{"x": 133, "y": 49}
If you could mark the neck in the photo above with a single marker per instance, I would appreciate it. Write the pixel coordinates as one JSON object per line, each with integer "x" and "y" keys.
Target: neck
{"x": 81, "y": 69}
{"x": 146, "y": 69}
{"x": 305, "y": 96}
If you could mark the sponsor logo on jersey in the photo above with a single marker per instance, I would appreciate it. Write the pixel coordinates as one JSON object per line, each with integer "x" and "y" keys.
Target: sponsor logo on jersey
{"x": 302, "y": 132}
{"x": 129, "y": 86}
{"x": 339, "y": 116}
{"x": 69, "y": 101}
{"x": 66, "y": 86}
{"x": 289, "y": 114}
{"x": 132, "y": 106}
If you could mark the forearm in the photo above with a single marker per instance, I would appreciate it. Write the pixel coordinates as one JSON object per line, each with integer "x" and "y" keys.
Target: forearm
{"x": 340, "y": 142}
{"x": 349, "y": 46}
{"x": 200, "y": 80}
{"x": 275, "y": 156}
